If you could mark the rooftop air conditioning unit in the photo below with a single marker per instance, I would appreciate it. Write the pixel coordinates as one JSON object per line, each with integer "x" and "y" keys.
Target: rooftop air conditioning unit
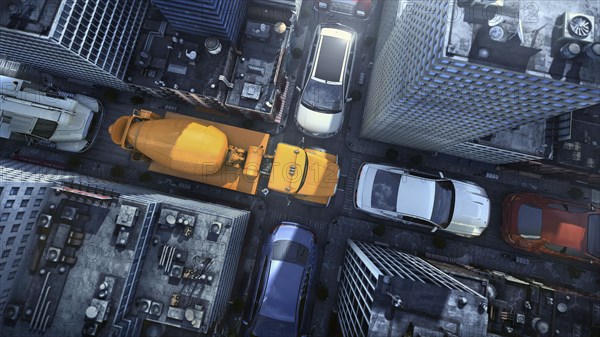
{"x": 53, "y": 254}
{"x": 44, "y": 221}
{"x": 144, "y": 305}
{"x": 156, "y": 308}
{"x": 576, "y": 27}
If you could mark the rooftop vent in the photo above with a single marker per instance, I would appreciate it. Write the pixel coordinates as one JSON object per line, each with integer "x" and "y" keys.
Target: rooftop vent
{"x": 69, "y": 213}
{"x": 576, "y": 27}
{"x": 127, "y": 215}
{"x": 12, "y": 312}
{"x": 214, "y": 230}
{"x": 44, "y": 221}
{"x": 53, "y": 254}
{"x": 144, "y": 305}
{"x": 168, "y": 217}
{"x": 213, "y": 45}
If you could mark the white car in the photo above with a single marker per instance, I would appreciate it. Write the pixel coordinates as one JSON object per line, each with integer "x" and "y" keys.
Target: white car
{"x": 461, "y": 208}
{"x": 321, "y": 109}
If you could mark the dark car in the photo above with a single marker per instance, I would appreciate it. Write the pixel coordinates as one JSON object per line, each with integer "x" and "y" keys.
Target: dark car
{"x": 545, "y": 225}
{"x": 357, "y": 8}
{"x": 284, "y": 282}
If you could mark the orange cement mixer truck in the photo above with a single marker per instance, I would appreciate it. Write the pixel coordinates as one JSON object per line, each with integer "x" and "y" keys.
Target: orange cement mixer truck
{"x": 226, "y": 156}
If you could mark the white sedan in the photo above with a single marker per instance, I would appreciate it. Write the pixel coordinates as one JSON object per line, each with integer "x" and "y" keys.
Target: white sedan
{"x": 461, "y": 208}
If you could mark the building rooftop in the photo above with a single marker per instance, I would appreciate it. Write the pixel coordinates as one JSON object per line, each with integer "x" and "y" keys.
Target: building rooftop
{"x": 529, "y": 37}
{"x": 524, "y": 307}
{"x": 405, "y": 307}
{"x": 33, "y": 16}
{"x": 581, "y": 148}
{"x": 167, "y": 58}
{"x": 257, "y": 76}
{"x": 528, "y": 138}
{"x": 106, "y": 258}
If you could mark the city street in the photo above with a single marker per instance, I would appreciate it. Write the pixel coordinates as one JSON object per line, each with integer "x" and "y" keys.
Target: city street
{"x": 340, "y": 221}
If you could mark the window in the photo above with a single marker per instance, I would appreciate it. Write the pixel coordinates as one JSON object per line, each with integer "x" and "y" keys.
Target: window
{"x": 24, "y": 202}
{"x": 33, "y": 215}
{"x": 20, "y": 215}
{"x": 10, "y": 241}
{"x": 25, "y": 238}
{"x": 20, "y": 250}
{"x": 11, "y": 275}
{"x": 4, "y": 216}
{"x": 290, "y": 251}
{"x": 37, "y": 202}
{"x": 593, "y": 235}
{"x": 9, "y": 203}
{"x": 1, "y": 229}
{"x": 5, "y": 253}
{"x": 529, "y": 222}
{"x": 16, "y": 262}
{"x": 42, "y": 191}
{"x": 29, "y": 190}
{"x": 29, "y": 226}
{"x": 44, "y": 128}
{"x": 2, "y": 266}
{"x": 385, "y": 190}
{"x": 15, "y": 228}
{"x": 564, "y": 250}
{"x": 14, "y": 191}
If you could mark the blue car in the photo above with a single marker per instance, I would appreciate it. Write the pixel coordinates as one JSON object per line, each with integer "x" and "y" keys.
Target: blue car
{"x": 285, "y": 281}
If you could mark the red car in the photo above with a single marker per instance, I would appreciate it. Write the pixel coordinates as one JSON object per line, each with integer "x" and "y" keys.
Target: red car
{"x": 544, "y": 225}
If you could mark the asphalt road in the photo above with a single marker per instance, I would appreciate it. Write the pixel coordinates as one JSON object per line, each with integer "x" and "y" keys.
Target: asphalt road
{"x": 328, "y": 221}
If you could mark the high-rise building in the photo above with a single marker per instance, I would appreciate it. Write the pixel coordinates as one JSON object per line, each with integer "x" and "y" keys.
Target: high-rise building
{"x": 384, "y": 292}
{"x": 21, "y": 203}
{"x": 448, "y": 73}
{"x": 111, "y": 260}
{"x": 212, "y": 18}
{"x": 83, "y": 40}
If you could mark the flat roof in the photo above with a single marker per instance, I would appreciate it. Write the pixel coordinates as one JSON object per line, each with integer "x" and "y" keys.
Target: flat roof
{"x": 86, "y": 251}
{"x": 425, "y": 309}
{"x": 164, "y": 57}
{"x": 257, "y": 75}
{"x": 527, "y": 37}
{"x": 571, "y": 313}
{"x": 32, "y": 16}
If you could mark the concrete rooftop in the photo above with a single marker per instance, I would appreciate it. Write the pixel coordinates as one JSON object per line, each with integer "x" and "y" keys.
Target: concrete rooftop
{"x": 529, "y": 36}
{"x": 167, "y": 58}
{"x": 34, "y": 16}
{"x": 91, "y": 246}
{"x": 256, "y": 85}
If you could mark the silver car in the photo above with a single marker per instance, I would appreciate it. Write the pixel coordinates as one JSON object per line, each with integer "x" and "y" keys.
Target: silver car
{"x": 320, "y": 112}
{"x": 461, "y": 208}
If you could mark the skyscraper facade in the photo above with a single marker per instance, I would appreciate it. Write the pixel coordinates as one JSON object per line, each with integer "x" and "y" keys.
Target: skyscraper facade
{"x": 22, "y": 195}
{"x": 449, "y": 72}
{"x": 372, "y": 274}
{"x": 85, "y": 40}
{"x": 215, "y": 18}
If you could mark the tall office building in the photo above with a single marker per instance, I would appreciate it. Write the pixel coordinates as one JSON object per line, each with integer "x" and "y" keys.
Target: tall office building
{"x": 85, "y": 40}
{"x": 109, "y": 259}
{"x": 448, "y": 73}
{"x": 384, "y": 292}
{"x": 21, "y": 199}
{"x": 213, "y": 18}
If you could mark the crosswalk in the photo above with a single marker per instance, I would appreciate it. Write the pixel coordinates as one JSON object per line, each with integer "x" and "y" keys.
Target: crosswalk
{"x": 276, "y": 217}
{"x": 349, "y": 188}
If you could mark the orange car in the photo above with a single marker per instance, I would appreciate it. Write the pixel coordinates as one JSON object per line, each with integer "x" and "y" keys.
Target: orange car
{"x": 544, "y": 225}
